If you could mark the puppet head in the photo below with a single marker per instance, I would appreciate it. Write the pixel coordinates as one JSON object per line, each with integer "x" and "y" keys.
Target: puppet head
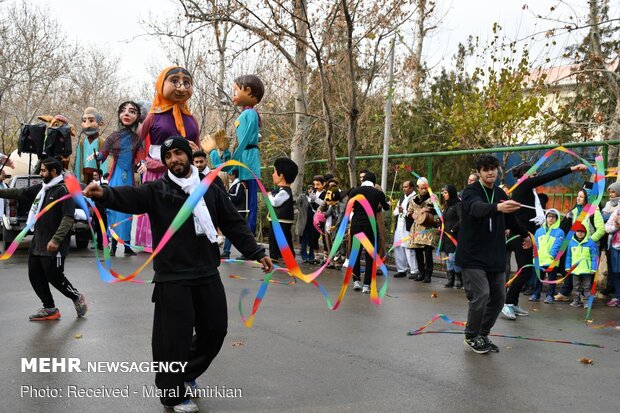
{"x": 175, "y": 85}
{"x": 92, "y": 120}
{"x": 58, "y": 137}
{"x": 248, "y": 90}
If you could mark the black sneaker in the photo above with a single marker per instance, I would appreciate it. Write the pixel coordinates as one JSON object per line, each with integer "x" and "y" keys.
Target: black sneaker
{"x": 477, "y": 344}
{"x": 401, "y": 274}
{"x": 493, "y": 348}
{"x": 129, "y": 252}
{"x": 80, "y": 306}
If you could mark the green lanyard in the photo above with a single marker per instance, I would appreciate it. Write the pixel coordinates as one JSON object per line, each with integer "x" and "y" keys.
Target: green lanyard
{"x": 490, "y": 201}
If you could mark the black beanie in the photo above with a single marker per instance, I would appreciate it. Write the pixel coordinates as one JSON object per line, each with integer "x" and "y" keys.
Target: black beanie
{"x": 176, "y": 142}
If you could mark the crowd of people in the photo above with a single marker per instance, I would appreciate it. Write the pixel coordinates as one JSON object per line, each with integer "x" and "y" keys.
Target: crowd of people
{"x": 155, "y": 159}
{"x": 482, "y": 227}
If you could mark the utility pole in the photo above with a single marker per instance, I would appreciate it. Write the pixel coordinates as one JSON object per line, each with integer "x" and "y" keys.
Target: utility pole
{"x": 388, "y": 118}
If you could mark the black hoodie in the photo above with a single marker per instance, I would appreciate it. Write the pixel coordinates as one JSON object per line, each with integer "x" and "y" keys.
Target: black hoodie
{"x": 482, "y": 241}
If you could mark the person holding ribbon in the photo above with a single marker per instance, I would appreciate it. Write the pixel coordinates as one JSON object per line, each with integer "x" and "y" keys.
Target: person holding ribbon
{"x": 481, "y": 252}
{"x": 50, "y": 244}
{"x": 361, "y": 223}
{"x": 169, "y": 116}
{"x": 188, "y": 293}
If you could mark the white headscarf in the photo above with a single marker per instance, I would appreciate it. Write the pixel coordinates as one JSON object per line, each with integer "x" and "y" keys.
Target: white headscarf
{"x": 38, "y": 200}
{"x": 202, "y": 218}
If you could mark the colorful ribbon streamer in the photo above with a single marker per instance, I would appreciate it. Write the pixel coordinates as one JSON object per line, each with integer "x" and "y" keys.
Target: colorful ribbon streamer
{"x": 422, "y": 330}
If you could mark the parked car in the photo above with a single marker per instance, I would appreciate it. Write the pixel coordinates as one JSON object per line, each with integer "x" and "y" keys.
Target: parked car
{"x": 16, "y": 214}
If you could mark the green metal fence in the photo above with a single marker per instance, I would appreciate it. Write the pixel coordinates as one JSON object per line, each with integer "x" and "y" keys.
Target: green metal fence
{"x": 430, "y": 156}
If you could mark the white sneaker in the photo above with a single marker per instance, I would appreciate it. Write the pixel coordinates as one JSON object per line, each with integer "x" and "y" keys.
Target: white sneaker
{"x": 357, "y": 286}
{"x": 346, "y": 263}
{"x": 187, "y": 406}
{"x": 366, "y": 289}
{"x": 519, "y": 311}
{"x": 509, "y": 312}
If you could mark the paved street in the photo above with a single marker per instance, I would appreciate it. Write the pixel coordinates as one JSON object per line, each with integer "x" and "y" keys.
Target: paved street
{"x": 302, "y": 357}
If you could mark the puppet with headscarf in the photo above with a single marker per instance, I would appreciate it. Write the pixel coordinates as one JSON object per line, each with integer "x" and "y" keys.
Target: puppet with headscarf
{"x": 169, "y": 116}
{"x": 126, "y": 149}
{"x": 89, "y": 142}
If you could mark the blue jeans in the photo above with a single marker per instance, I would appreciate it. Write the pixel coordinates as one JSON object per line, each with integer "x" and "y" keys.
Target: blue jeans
{"x": 227, "y": 245}
{"x": 551, "y": 276}
{"x": 450, "y": 265}
{"x": 306, "y": 251}
{"x": 614, "y": 271}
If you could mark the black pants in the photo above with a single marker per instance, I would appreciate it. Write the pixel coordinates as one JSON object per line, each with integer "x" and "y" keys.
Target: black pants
{"x": 45, "y": 270}
{"x": 485, "y": 292}
{"x": 179, "y": 310}
{"x": 424, "y": 257}
{"x": 367, "y": 230}
{"x": 274, "y": 251}
{"x": 523, "y": 257}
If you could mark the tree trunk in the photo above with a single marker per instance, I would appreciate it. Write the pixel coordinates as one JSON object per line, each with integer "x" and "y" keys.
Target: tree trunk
{"x": 417, "y": 52}
{"x": 597, "y": 51}
{"x": 299, "y": 144}
{"x": 327, "y": 123}
{"x": 353, "y": 109}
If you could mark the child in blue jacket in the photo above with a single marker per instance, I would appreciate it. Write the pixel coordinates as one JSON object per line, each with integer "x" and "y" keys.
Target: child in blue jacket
{"x": 584, "y": 251}
{"x": 549, "y": 238}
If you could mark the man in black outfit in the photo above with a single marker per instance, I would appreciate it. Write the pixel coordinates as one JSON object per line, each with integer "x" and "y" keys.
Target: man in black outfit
{"x": 50, "y": 243}
{"x": 361, "y": 223}
{"x": 524, "y": 194}
{"x": 188, "y": 291}
{"x": 481, "y": 252}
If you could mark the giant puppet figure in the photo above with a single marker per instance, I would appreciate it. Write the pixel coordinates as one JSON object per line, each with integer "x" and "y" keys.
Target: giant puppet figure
{"x": 248, "y": 92}
{"x": 126, "y": 149}
{"x": 169, "y": 116}
{"x": 89, "y": 142}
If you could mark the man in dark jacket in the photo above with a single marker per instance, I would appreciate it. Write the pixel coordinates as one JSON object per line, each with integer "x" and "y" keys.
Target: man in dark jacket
{"x": 50, "y": 243}
{"x": 360, "y": 223}
{"x": 481, "y": 252}
{"x": 188, "y": 293}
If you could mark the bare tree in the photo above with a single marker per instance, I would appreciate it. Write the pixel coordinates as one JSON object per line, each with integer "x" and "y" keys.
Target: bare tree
{"x": 374, "y": 22}
{"x": 611, "y": 77}
{"x": 425, "y": 9}
{"x": 285, "y": 25}
{"x": 35, "y": 56}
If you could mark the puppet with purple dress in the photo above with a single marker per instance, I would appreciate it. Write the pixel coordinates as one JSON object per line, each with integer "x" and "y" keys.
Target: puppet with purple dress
{"x": 169, "y": 116}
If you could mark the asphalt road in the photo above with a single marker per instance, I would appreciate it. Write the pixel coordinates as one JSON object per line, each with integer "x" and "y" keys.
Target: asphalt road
{"x": 302, "y": 357}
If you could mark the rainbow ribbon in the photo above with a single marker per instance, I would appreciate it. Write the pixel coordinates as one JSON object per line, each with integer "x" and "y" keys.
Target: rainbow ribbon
{"x": 359, "y": 240}
{"x": 138, "y": 248}
{"x": 18, "y": 239}
{"x": 445, "y": 318}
